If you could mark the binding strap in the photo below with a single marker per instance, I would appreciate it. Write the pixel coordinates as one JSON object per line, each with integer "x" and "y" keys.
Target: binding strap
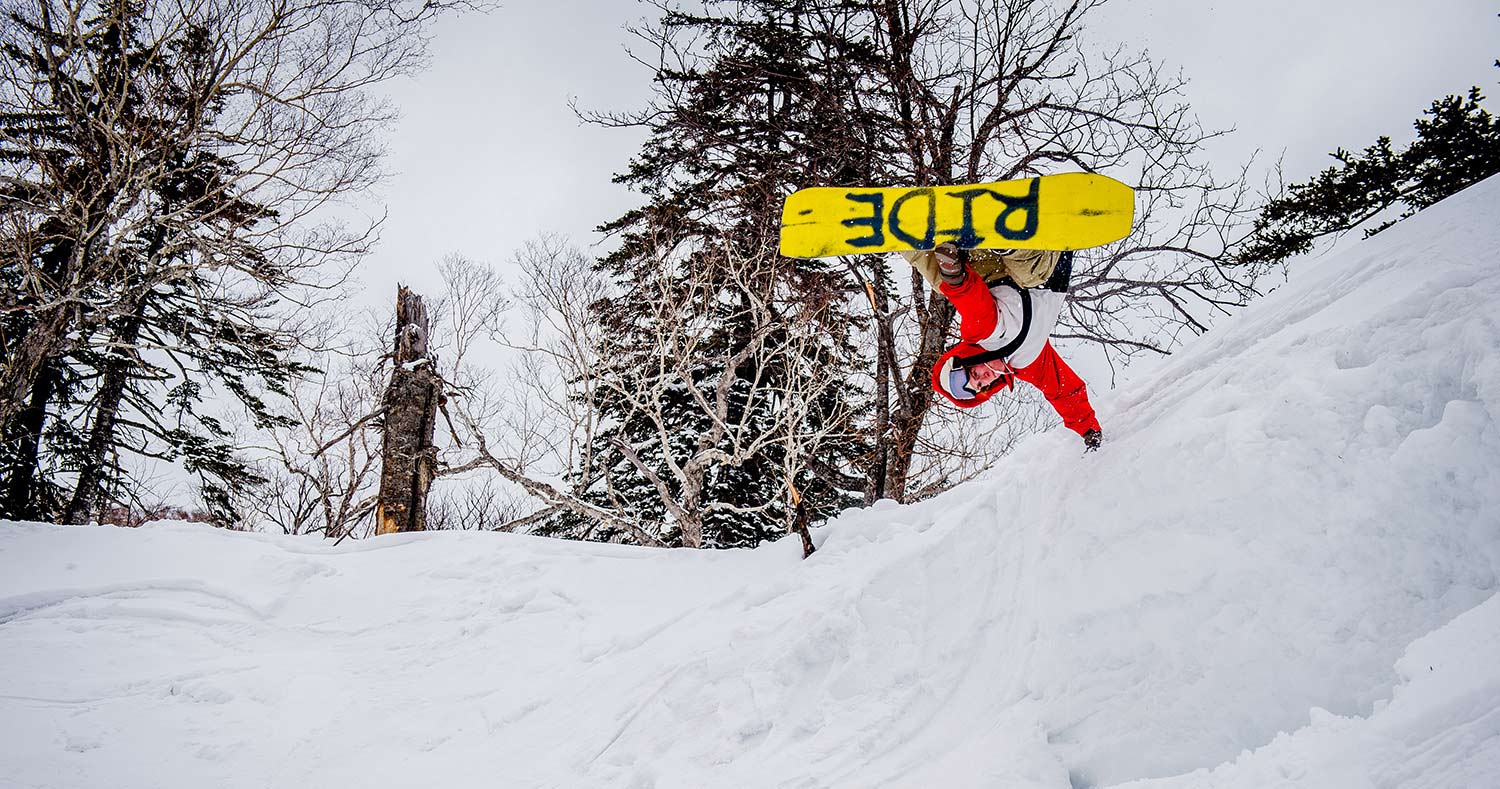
{"x": 1011, "y": 347}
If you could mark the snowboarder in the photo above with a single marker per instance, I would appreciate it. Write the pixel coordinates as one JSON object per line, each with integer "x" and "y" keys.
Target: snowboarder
{"x": 1004, "y": 332}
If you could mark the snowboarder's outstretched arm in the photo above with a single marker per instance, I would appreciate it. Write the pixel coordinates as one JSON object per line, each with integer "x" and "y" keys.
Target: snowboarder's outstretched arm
{"x": 977, "y": 317}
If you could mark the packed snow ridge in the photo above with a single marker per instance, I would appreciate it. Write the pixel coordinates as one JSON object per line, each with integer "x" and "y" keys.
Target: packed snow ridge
{"x": 1280, "y": 571}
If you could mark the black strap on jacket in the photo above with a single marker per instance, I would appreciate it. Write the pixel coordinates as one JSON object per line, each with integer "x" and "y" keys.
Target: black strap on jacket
{"x": 1014, "y": 345}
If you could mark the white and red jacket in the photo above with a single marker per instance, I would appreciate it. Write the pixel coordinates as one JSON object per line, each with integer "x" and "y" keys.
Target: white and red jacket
{"x": 1012, "y": 325}
{"x": 1001, "y": 322}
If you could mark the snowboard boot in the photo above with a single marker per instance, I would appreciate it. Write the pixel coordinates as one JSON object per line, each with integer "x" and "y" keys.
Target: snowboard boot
{"x": 1062, "y": 275}
{"x": 952, "y": 263}
{"x": 1092, "y": 439}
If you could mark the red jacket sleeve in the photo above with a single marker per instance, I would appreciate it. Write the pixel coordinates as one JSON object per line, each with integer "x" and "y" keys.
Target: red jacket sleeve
{"x": 976, "y": 308}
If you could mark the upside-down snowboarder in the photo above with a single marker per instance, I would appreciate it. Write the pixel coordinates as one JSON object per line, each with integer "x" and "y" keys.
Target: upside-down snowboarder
{"x": 1004, "y": 331}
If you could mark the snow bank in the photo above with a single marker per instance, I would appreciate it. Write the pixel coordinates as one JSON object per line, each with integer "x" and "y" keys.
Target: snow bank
{"x": 1441, "y": 729}
{"x": 1280, "y": 571}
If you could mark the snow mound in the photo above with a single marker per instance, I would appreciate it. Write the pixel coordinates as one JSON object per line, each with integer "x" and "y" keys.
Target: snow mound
{"x": 1281, "y": 570}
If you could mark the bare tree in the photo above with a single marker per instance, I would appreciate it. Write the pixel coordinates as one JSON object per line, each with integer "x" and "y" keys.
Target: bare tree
{"x": 484, "y": 504}
{"x": 179, "y": 151}
{"x": 561, "y": 360}
{"x": 324, "y": 467}
{"x": 470, "y": 310}
{"x": 575, "y": 370}
{"x": 977, "y": 91}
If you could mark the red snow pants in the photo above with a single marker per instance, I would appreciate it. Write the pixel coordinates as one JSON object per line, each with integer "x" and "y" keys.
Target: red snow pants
{"x": 1063, "y": 389}
{"x": 1059, "y": 384}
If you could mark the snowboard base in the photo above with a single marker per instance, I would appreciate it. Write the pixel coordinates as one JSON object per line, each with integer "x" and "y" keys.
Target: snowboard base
{"x": 1057, "y": 212}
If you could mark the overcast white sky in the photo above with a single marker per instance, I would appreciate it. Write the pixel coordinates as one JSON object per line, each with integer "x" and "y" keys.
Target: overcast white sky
{"x": 488, "y": 153}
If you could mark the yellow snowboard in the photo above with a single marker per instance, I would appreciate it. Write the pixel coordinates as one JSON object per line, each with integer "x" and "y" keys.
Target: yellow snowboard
{"x": 1066, "y": 211}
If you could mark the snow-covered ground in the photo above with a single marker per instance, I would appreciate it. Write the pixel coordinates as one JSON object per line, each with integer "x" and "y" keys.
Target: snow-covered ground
{"x": 1281, "y": 570}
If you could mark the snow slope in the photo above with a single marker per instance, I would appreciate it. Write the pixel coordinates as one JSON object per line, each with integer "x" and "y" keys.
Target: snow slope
{"x": 1281, "y": 570}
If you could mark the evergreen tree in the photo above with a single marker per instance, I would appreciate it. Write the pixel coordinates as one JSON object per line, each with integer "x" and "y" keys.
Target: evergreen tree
{"x": 1457, "y": 144}
{"x": 711, "y": 395}
{"x": 160, "y": 165}
{"x": 171, "y": 323}
{"x": 758, "y": 110}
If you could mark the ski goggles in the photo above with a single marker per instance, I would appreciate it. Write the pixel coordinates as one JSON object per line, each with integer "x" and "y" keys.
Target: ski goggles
{"x": 958, "y": 384}
{"x": 962, "y": 383}
{"x": 955, "y": 379}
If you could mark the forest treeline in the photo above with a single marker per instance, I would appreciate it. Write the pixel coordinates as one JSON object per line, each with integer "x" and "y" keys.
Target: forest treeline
{"x": 170, "y": 264}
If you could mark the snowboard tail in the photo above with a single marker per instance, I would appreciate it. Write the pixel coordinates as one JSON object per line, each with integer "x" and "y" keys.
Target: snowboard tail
{"x": 1058, "y": 212}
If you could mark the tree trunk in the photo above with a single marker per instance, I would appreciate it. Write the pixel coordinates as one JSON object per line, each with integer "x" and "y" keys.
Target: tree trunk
{"x": 86, "y": 493}
{"x": 885, "y": 354}
{"x": 408, "y": 456}
{"x": 800, "y": 518}
{"x": 24, "y": 435}
{"x": 916, "y": 399}
{"x": 30, "y": 356}
{"x": 691, "y": 518}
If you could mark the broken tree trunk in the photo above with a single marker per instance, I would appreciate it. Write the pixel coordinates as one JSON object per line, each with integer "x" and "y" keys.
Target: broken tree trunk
{"x": 408, "y": 456}
{"x": 799, "y": 517}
